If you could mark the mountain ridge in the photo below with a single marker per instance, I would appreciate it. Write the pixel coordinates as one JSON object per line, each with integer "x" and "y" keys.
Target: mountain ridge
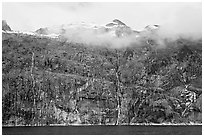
{"x": 116, "y": 27}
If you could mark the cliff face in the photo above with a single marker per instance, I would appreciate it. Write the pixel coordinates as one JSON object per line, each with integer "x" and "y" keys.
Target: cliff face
{"x": 5, "y": 26}
{"x": 47, "y": 81}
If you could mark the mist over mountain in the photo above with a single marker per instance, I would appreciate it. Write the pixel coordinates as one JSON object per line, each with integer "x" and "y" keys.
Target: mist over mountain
{"x": 89, "y": 74}
{"x": 175, "y": 17}
{"x": 115, "y": 34}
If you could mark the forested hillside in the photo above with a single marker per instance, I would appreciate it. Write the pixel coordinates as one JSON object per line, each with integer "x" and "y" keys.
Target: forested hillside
{"x": 49, "y": 81}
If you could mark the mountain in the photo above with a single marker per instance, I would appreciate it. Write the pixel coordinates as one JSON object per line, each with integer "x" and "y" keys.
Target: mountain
{"x": 119, "y": 29}
{"x": 50, "y": 81}
{"x": 5, "y": 26}
{"x": 43, "y": 31}
{"x": 152, "y": 27}
{"x": 116, "y": 28}
{"x": 116, "y": 22}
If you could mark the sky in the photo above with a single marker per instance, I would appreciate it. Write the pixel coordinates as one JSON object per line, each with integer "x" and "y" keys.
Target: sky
{"x": 184, "y": 16}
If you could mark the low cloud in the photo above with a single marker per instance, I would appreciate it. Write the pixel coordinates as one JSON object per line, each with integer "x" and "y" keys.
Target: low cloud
{"x": 91, "y": 37}
{"x": 176, "y": 19}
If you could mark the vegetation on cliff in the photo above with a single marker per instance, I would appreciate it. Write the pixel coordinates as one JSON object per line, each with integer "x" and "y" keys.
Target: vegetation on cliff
{"x": 48, "y": 81}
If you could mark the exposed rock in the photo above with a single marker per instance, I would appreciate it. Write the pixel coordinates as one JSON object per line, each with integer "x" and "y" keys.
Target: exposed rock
{"x": 43, "y": 31}
{"x": 5, "y": 26}
{"x": 119, "y": 22}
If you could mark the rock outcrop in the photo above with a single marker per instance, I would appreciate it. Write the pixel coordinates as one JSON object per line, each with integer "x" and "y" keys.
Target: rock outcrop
{"x": 5, "y": 26}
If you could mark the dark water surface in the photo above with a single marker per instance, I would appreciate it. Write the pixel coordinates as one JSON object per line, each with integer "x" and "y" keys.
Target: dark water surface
{"x": 105, "y": 130}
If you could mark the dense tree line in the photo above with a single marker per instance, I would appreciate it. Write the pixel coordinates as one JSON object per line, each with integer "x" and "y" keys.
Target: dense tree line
{"x": 47, "y": 81}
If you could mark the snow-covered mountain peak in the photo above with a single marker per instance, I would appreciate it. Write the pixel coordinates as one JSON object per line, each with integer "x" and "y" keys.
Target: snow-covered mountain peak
{"x": 116, "y": 23}
{"x": 152, "y": 27}
{"x": 114, "y": 29}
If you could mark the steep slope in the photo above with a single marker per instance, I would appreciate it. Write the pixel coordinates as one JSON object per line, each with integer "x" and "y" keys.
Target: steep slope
{"x": 50, "y": 81}
{"x": 5, "y": 26}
